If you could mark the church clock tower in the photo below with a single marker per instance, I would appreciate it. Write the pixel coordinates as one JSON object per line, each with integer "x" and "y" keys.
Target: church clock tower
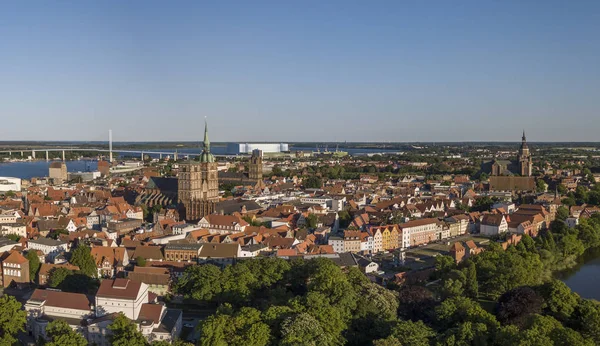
{"x": 524, "y": 157}
{"x": 198, "y": 184}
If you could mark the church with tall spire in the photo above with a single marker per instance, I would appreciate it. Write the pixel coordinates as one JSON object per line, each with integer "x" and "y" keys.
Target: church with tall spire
{"x": 523, "y": 166}
{"x": 198, "y": 184}
{"x": 524, "y": 158}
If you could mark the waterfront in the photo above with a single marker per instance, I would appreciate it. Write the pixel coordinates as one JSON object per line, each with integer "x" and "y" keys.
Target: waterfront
{"x": 31, "y": 169}
{"x": 584, "y": 278}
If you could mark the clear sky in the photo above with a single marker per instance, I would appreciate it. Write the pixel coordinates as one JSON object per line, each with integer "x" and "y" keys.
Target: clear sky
{"x": 346, "y": 70}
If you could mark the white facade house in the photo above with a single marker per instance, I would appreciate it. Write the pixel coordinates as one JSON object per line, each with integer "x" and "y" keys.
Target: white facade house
{"x": 493, "y": 224}
{"x": 8, "y": 218}
{"x": 222, "y": 224}
{"x": 93, "y": 221}
{"x": 121, "y": 295}
{"x": 366, "y": 243}
{"x": 419, "y": 232}
{"x": 71, "y": 227}
{"x": 509, "y": 207}
{"x": 377, "y": 241}
{"x": 18, "y": 229}
{"x": 48, "y": 246}
{"x": 252, "y": 250}
{"x": 137, "y": 214}
{"x": 10, "y": 184}
{"x": 337, "y": 243}
{"x": 185, "y": 228}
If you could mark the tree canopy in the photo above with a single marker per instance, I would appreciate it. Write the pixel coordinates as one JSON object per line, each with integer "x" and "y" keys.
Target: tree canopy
{"x": 61, "y": 334}
{"x": 12, "y": 319}
{"x": 82, "y": 257}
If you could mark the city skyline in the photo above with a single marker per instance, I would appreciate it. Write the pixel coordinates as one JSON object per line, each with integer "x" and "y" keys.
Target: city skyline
{"x": 311, "y": 72}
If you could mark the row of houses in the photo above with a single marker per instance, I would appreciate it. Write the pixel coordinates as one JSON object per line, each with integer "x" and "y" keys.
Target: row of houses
{"x": 373, "y": 239}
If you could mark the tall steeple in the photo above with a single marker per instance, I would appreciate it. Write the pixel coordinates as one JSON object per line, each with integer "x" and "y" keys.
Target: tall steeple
{"x": 524, "y": 157}
{"x": 523, "y": 143}
{"x": 206, "y": 155}
{"x": 207, "y": 142}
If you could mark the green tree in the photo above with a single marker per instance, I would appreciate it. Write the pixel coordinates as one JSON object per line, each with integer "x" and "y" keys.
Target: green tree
{"x": 562, "y": 213}
{"x": 82, "y": 257}
{"x": 345, "y": 218}
{"x": 413, "y": 333}
{"x": 313, "y": 182}
{"x": 240, "y": 329}
{"x": 483, "y": 204}
{"x": 459, "y": 310}
{"x": 571, "y": 246}
{"x": 34, "y": 264}
{"x": 374, "y": 315}
{"x": 586, "y": 318}
{"x": 61, "y": 334}
{"x": 545, "y": 330}
{"x": 540, "y": 185}
{"x": 471, "y": 284}
{"x": 12, "y": 319}
{"x": 303, "y": 330}
{"x": 444, "y": 264}
{"x": 561, "y": 189}
{"x": 58, "y": 275}
{"x": 389, "y": 341}
{"x": 311, "y": 221}
{"x": 140, "y": 261}
{"x": 125, "y": 333}
{"x": 560, "y": 302}
{"x": 499, "y": 271}
{"x": 202, "y": 282}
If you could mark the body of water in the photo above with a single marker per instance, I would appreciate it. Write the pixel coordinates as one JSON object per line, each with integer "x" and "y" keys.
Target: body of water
{"x": 584, "y": 279}
{"x": 31, "y": 169}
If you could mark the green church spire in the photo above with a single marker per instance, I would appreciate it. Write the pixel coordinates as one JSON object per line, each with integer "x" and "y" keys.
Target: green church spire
{"x": 206, "y": 155}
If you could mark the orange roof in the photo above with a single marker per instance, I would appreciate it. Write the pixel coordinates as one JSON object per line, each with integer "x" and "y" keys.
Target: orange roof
{"x": 15, "y": 257}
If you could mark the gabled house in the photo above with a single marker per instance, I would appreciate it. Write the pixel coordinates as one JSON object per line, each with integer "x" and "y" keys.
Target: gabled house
{"x": 493, "y": 224}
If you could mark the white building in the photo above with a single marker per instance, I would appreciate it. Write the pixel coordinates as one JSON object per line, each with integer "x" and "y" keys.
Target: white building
{"x": 18, "y": 229}
{"x": 155, "y": 321}
{"x": 9, "y": 217}
{"x": 48, "y": 246}
{"x": 247, "y": 148}
{"x": 10, "y": 184}
{"x": 493, "y": 224}
{"x": 47, "y": 305}
{"x": 6, "y": 244}
{"x": 337, "y": 243}
{"x": 366, "y": 242}
{"x": 121, "y": 295}
{"x": 419, "y": 232}
{"x": 252, "y": 250}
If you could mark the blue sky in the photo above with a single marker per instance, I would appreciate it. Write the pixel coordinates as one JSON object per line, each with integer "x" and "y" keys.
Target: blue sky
{"x": 300, "y": 70}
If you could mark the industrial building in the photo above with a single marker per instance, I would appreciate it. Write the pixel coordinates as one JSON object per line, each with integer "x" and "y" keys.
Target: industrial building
{"x": 247, "y": 148}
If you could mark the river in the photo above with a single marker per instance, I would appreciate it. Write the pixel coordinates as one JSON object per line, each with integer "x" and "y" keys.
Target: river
{"x": 31, "y": 169}
{"x": 584, "y": 279}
